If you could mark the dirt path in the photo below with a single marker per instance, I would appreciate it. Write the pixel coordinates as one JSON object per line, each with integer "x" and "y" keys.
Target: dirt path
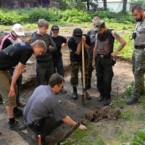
{"x": 122, "y": 77}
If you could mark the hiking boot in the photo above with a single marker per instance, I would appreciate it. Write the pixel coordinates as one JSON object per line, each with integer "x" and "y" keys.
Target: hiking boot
{"x": 18, "y": 112}
{"x": 131, "y": 100}
{"x": 63, "y": 91}
{"x": 88, "y": 97}
{"x": 14, "y": 126}
{"x": 101, "y": 98}
{"x": 106, "y": 101}
{"x": 20, "y": 104}
{"x": 75, "y": 94}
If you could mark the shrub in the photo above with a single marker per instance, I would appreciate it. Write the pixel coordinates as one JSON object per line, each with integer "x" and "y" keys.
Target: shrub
{"x": 31, "y": 15}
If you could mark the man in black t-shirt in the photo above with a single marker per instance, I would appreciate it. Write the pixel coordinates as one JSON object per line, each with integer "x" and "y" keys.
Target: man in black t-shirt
{"x": 60, "y": 42}
{"x": 75, "y": 46}
{"x": 15, "y": 55}
{"x": 103, "y": 59}
{"x": 10, "y": 39}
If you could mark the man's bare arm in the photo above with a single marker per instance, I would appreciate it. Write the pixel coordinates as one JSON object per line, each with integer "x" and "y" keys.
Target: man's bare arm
{"x": 79, "y": 47}
{"x": 94, "y": 54}
{"x": 16, "y": 74}
{"x": 70, "y": 122}
{"x": 119, "y": 39}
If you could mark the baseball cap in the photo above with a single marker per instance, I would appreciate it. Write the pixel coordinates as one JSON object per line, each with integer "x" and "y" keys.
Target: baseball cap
{"x": 55, "y": 28}
{"x": 18, "y": 29}
{"x": 99, "y": 24}
{"x": 77, "y": 32}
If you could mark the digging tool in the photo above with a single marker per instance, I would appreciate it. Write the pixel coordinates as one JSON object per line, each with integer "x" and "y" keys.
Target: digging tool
{"x": 68, "y": 133}
{"x": 83, "y": 74}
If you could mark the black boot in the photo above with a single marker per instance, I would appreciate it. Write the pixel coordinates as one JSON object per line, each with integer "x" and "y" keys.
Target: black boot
{"x": 75, "y": 94}
{"x": 106, "y": 101}
{"x": 131, "y": 100}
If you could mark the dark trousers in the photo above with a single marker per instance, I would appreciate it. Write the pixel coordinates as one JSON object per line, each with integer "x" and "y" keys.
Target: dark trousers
{"x": 18, "y": 83}
{"x": 44, "y": 71}
{"x": 58, "y": 66}
{"x": 45, "y": 126}
{"x": 104, "y": 76}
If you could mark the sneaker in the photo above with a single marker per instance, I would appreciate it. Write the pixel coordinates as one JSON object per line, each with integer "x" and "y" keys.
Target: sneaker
{"x": 20, "y": 104}
{"x": 19, "y": 113}
{"x": 63, "y": 91}
{"x": 14, "y": 126}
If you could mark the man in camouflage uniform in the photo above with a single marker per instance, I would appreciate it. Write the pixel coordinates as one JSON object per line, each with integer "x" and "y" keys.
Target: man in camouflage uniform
{"x": 92, "y": 33}
{"x": 138, "y": 58}
{"x": 75, "y": 46}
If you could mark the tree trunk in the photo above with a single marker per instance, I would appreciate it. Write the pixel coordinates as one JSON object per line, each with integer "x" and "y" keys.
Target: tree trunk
{"x": 124, "y": 6}
{"x": 105, "y": 4}
{"x": 88, "y": 5}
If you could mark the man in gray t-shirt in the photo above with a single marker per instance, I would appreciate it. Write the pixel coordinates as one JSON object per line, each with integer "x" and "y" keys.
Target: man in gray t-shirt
{"x": 43, "y": 111}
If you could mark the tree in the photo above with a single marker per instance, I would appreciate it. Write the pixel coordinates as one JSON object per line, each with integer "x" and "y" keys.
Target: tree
{"x": 105, "y": 4}
{"x": 124, "y": 6}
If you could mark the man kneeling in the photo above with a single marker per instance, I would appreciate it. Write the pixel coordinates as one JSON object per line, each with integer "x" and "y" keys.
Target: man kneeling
{"x": 43, "y": 112}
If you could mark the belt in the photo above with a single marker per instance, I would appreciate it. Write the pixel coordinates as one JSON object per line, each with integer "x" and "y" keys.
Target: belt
{"x": 139, "y": 47}
{"x": 104, "y": 56}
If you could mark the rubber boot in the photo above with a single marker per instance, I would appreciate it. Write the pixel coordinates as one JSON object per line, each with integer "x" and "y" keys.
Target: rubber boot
{"x": 75, "y": 94}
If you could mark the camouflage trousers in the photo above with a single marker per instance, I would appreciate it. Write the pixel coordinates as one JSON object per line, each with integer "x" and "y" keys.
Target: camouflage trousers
{"x": 75, "y": 67}
{"x": 138, "y": 67}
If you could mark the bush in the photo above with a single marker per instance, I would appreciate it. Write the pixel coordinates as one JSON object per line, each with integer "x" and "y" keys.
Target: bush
{"x": 31, "y": 15}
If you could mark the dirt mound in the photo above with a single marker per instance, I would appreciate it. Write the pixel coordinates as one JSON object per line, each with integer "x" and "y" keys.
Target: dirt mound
{"x": 103, "y": 113}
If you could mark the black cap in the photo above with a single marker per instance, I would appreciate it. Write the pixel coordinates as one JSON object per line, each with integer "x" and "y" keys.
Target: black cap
{"x": 54, "y": 28}
{"x": 77, "y": 32}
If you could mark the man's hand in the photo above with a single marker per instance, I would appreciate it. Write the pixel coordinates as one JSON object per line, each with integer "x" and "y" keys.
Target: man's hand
{"x": 50, "y": 46}
{"x": 114, "y": 54}
{"x": 93, "y": 64}
{"x": 12, "y": 91}
{"x": 83, "y": 39}
{"x": 82, "y": 127}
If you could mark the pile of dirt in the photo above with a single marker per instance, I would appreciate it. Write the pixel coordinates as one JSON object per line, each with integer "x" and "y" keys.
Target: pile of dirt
{"x": 103, "y": 113}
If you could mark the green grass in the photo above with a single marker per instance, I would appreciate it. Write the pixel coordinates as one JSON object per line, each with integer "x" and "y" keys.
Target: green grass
{"x": 89, "y": 137}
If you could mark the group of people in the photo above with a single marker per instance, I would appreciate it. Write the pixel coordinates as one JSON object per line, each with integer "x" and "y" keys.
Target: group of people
{"x": 43, "y": 111}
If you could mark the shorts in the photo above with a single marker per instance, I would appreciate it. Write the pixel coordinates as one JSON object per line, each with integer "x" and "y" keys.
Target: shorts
{"x": 5, "y": 83}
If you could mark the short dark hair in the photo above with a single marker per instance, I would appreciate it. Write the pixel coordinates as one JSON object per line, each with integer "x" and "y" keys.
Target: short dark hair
{"x": 56, "y": 79}
{"x": 137, "y": 7}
